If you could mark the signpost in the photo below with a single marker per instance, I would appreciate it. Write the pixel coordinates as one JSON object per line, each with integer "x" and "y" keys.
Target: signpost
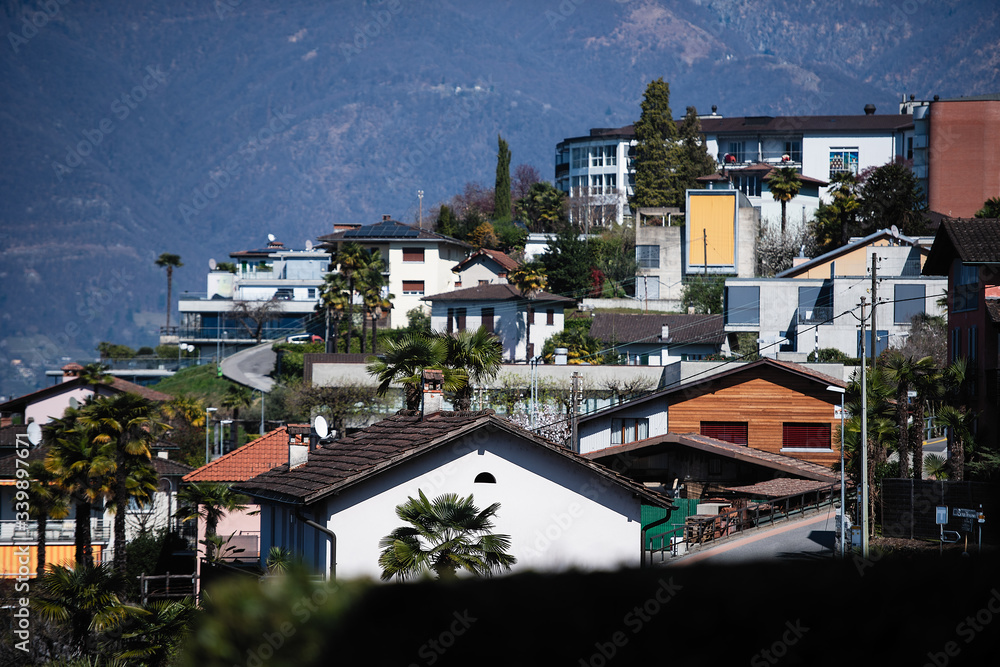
{"x": 941, "y": 518}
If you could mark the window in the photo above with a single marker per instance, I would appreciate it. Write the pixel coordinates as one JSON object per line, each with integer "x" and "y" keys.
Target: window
{"x": 597, "y": 156}
{"x": 737, "y": 151}
{"x": 485, "y": 478}
{"x": 908, "y": 301}
{"x": 793, "y": 149}
{"x": 805, "y": 436}
{"x": 531, "y": 315}
{"x": 647, "y": 287}
{"x": 747, "y": 184}
{"x": 550, "y": 317}
{"x": 909, "y": 148}
{"x": 487, "y": 319}
{"x": 456, "y": 319}
{"x": 742, "y": 305}
{"x": 579, "y": 186}
{"x": 413, "y": 287}
{"x": 648, "y": 256}
{"x": 966, "y": 289}
{"x": 882, "y": 338}
{"x": 413, "y": 254}
{"x": 734, "y": 432}
{"x": 610, "y": 183}
{"x": 973, "y": 346}
{"x": 483, "y": 282}
{"x": 579, "y": 158}
{"x": 816, "y": 303}
{"x": 312, "y": 292}
{"x": 956, "y": 343}
{"x": 611, "y": 155}
{"x": 843, "y": 159}
{"x": 629, "y": 429}
{"x": 596, "y": 186}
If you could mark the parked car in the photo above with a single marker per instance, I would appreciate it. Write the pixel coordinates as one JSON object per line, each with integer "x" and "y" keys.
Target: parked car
{"x": 304, "y": 338}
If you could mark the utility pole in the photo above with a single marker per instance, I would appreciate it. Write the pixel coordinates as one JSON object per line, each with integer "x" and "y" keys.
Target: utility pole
{"x": 864, "y": 439}
{"x": 420, "y": 216}
{"x": 705, "y": 240}
{"x": 874, "y": 303}
{"x": 574, "y": 402}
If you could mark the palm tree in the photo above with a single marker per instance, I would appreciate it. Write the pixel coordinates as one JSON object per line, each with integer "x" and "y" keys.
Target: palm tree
{"x": 480, "y": 354}
{"x": 210, "y": 501}
{"x": 928, "y": 385}
{"x": 84, "y": 597}
{"x": 95, "y": 374}
{"x": 405, "y": 360}
{"x": 169, "y": 262}
{"x": 152, "y": 638}
{"x": 960, "y": 421}
{"x": 334, "y": 300}
{"x": 125, "y": 424}
{"x": 82, "y": 468}
{"x": 370, "y": 281}
{"x": 904, "y": 372}
{"x": 350, "y": 259}
{"x": 46, "y": 500}
{"x": 784, "y": 184}
{"x": 529, "y": 280}
{"x": 237, "y": 396}
{"x": 444, "y": 535}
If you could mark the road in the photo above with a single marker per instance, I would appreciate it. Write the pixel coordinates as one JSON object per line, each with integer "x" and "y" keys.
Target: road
{"x": 250, "y": 367}
{"x": 811, "y": 538}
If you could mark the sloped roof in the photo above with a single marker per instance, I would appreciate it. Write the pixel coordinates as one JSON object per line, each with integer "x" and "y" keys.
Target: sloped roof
{"x": 388, "y": 443}
{"x": 972, "y": 240}
{"x": 691, "y": 387}
{"x": 503, "y": 259}
{"x": 387, "y": 230}
{"x": 780, "y": 487}
{"x": 993, "y": 309}
{"x": 881, "y": 234}
{"x": 621, "y": 328}
{"x": 797, "y": 124}
{"x": 778, "y": 462}
{"x": 164, "y": 466}
{"x": 117, "y": 384}
{"x": 496, "y": 292}
{"x": 246, "y": 462}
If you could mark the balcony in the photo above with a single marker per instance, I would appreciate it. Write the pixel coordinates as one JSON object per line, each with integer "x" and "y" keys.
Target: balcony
{"x": 775, "y": 158}
{"x": 815, "y": 315}
{"x": 248, "y": 541}
{"x": 55, "y": 531}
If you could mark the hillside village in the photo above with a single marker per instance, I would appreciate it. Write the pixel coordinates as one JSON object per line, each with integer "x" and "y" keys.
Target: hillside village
{"x": 644, "y": 356}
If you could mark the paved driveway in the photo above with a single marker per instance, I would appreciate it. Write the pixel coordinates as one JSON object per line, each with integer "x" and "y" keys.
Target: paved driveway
{"x": 250, "y": 367}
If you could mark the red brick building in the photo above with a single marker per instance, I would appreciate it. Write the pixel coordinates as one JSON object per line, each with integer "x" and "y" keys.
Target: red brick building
{"x": 964, "y": 154}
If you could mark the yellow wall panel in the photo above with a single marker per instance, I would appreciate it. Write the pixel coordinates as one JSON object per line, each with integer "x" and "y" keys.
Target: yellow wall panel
{"x": 713, "y": 216}
{"x": 55, "y": 554}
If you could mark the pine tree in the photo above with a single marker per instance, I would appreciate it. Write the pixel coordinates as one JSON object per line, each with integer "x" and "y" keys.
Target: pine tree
{"x": 690, "y": 154}
{"x": 501, "y": 192}
{"x": 655, "y": 133}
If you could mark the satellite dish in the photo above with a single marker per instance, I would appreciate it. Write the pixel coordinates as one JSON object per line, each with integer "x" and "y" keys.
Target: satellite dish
{"x": 319, "y": 424}
{"x": 34, "y": 433}
{"x": 270, "y": 237}
{"x": 895, "y": 232}
{"x": 212, "y": 265}
{"x": 309, "y": 244}
{"x": 73, "y": 403}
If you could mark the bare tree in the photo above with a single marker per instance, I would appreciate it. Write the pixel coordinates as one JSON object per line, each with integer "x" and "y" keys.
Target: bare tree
{"x": 254, "y": 315}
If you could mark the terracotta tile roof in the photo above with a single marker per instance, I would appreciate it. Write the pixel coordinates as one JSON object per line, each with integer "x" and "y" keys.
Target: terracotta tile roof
{"x": 806, "y": 180}
{"x": 117, "y": 384}
{"x": 498, "y": 292}
{"x": 246, "y": 462}
{"x": 709, "y": 381}
{"x": 778, "y": 462}
{"x": 618, "y": 328}
{"x": 777, "y": 488}
{"x": 335, "y": 467}
{"x": 972, "y": 240}
{"x": 504, "y": 260}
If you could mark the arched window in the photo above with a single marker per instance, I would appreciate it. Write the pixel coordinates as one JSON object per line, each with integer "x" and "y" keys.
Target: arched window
{"x": 485, "y": 478}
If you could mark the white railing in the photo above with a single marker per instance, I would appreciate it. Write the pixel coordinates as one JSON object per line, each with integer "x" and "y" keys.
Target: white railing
{"x": 63, "y": 530}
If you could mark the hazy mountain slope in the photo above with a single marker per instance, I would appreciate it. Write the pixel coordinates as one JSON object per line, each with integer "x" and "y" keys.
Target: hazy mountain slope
{"x": 354, "y": 106}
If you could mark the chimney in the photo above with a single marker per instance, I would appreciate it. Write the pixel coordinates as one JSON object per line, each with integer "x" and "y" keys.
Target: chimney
{"x": 386, "y": 218}
{"x": 298, "y": 445}
{"x": 869, "y": 109}
{"x": 433, "y": 392}
{"x": 664, "y": 333}
{"x": 70, "y": 371}
{"x": 562, "y": 355}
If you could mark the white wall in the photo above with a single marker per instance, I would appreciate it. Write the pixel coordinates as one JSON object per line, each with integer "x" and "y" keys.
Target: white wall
{"x": 596, "y": 433}
{"x": 509, "y": 323}
{"x": 558, "y": 514}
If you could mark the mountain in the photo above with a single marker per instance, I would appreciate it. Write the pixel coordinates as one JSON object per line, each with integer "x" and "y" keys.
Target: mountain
{"x": 197, "y": 127}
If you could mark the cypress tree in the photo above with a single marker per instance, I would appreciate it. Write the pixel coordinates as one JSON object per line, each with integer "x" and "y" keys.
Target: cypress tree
{"x": 655, "y": 133}
{"x": 501, "y": 193}
{"x": 691, "y": 153}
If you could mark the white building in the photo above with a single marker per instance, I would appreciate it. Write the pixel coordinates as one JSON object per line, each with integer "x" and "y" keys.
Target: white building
{"x": 418, "y": 261}
{"x": 560, "y": 510}
{"x": 814, "y": 304}
{"x": 503, "y": 310}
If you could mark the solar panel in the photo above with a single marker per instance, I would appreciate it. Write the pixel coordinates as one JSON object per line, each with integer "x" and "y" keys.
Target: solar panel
{"x": 382, "y": 231}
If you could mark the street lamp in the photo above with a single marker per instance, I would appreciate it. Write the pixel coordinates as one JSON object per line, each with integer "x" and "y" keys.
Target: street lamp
{"x": 222, "y": 434}
{"x": 843, "y": 506}
{"x": 420, "y": 217}
{"x": 208, "y": 415}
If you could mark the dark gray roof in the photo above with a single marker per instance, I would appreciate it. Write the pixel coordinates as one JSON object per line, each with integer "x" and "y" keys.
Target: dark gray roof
{"x": 384, "y": 445}
{"x": 972, "y": 240}
{"x": 496, "y": 292}
{"x": 387, "y": 230}
{"x": 621, "y": 329}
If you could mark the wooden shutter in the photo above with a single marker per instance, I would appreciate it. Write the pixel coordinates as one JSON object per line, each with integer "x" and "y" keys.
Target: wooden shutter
{"x": 461, "y": 319}
{"x": 812, "y": 436}
{"x": 413, "y": 254}
{"x": 487, "y": 319}
{"x": 550, "y": 317}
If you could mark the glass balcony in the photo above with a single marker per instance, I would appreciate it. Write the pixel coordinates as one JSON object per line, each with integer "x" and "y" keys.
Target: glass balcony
{"x": 62, "y": 530}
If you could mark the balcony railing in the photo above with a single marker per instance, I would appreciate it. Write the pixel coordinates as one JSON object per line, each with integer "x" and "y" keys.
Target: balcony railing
{"x": 55, "y": 531}
{"x": 776, "y": 158}
{"x": 815, "y": 315}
